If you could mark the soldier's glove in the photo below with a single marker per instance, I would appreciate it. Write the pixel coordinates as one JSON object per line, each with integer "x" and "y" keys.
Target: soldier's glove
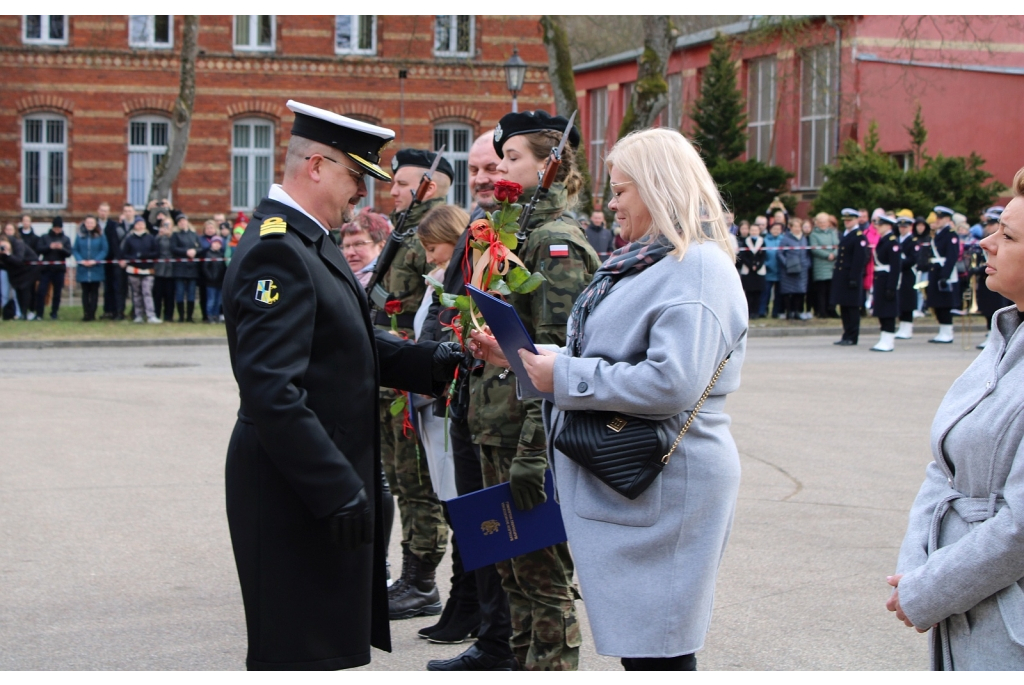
{"x": 351, "y": 524}
{"x": 852, "y": 283}
{"x": 890, "y": 294}
{"x": 447, "y": 358}
{"x": 526, "y": 479}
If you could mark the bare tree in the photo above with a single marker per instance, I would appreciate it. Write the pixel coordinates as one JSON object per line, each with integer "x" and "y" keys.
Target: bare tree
{"x": 650, "y": 92}
{"x": 167, "y": 170}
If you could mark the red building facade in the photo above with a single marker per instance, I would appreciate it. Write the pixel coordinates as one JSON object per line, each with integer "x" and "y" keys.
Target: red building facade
{"x": 86, "y": 100}
{"x": 810, "y": 88}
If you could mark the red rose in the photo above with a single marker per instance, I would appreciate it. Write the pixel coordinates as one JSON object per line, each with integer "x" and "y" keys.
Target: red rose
{"x": 507, "y": 191}
{"x": 392, "y": 307}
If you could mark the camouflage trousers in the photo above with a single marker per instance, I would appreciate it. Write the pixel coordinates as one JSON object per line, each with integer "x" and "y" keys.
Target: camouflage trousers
{"x": 424, "y": 530}
{"x": 541, "y": 596}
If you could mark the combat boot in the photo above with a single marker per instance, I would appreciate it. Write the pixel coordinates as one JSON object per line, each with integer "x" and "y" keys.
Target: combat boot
{"x": 181, "y": 312}
{"x": 419, "y": 597}
{"x": 398, "y": 586}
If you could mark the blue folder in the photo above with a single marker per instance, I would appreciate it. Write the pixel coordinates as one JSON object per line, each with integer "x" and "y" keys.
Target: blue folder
{"x": 490, "y": 528}
{"x": 510, "y": 333}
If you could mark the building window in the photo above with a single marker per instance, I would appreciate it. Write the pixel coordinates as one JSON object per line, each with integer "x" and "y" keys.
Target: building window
{"x": 254, "y": 32}
{"x": 44, "y": 161}
{"x": 252, "y": 163}
{"x": 598, "y": 127}
{"x": 674, "y": 110}
{"x": 147, "y": 145}
{"x": 761, "y": 109}
{"x": 355, "y": 34}
{"x": 904, "y": 160}
{"x": 371, "y": 189}
{"x": 453, "y": 35}
{"x": 150, "y": 31}
{"x": 45, "y": 29}
{"x": 456, "y": 138}
{"x": 817, "y": 114}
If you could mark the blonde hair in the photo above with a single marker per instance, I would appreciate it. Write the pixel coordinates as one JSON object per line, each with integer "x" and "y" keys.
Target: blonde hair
{"x": 675, "y": 186}
{"x": 442, "y": 225}
{"x": 1018, "y": 183}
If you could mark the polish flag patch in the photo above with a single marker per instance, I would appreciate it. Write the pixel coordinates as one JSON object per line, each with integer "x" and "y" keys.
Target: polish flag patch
{"x": 559, "y": 250}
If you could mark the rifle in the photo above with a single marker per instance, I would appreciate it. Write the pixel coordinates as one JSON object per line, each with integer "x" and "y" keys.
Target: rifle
{"x": 545, "y": 179}
{"x": 377, "y": 293}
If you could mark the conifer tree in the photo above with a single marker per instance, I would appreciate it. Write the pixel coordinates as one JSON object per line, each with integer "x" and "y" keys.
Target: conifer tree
{"x": 918, "y": 135}
{"x": 718, "y": 114}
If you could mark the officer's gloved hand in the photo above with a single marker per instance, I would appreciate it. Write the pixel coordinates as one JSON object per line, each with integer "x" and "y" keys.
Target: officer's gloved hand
{"x": 890, "y": 294}
{"x": 852, "y": 283}
{"x": 526, "y": 478}
{"x": 351, "y": 524}
{"x": 447, "y": 358}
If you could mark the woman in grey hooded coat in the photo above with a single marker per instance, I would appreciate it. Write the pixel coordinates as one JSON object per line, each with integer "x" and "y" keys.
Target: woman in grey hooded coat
{"x": 961, "y": 566}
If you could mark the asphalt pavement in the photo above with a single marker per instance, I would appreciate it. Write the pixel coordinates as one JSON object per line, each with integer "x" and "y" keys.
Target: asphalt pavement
{"x": 115, "y": 551}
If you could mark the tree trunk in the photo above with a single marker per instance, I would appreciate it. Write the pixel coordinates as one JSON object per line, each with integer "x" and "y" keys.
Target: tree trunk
{"x": 563, "y": 87}
{"x": 167, "y": 170}
{"x": 650, "y": 93}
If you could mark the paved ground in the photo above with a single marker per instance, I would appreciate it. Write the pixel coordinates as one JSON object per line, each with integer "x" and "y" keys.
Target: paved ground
{"x": 115, "y": 552}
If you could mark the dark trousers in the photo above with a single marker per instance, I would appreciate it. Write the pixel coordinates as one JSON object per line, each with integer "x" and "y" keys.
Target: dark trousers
{"x": 90, "y": 300}
{"x": 163, "y": 297}
{"x": 115, "y": 290}
{"x": 888, "y": 324}
{"x": 46, "y": 279}
{"x": 851, "y": 322}
{"x": 753, "y": 303}
{"x": 794, "y": 304}
{"x": 24, "y": 295}
{"x": 683, "y": 662}
{"x": 184, "y": 289}
{"x": 203, "y": 297}
{"x": 944, "y": 314}
{"x": 819, "y": 299}
{"x": 907, "y": 315}
{"x": 495, "y": 620}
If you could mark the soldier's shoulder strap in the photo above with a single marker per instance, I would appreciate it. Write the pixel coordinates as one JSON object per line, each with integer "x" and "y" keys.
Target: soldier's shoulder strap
{"x": 273, "y": 225}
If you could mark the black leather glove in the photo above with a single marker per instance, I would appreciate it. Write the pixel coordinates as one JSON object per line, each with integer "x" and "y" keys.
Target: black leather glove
{"x": 447, "y": 358}
{"x": 890, "y": 295}
{"x": 351, "y": 524}
{"x": 526, "y": 479}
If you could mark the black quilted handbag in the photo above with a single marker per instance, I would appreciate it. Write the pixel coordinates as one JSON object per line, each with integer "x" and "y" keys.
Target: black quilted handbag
{"x": 626, "y": 453}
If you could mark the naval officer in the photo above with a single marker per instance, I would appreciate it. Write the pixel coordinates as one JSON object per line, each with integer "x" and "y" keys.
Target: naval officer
{"x": 302, "y": 474}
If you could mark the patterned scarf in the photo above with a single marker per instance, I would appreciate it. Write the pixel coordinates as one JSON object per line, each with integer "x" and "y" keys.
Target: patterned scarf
{"x": 629, "y": 259}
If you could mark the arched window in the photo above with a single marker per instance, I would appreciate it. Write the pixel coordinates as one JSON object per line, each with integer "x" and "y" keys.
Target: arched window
{"x": 456, "y": 138}
{"x": 44, "y": 161}
{"x": 147, "y": 145}
{"x": 252, "y": 163}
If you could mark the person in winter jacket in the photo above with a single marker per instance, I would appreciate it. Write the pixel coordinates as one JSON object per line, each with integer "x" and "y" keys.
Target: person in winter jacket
{"x": 140, "y": 246}
{"x": 90, "y": 247}
{"x": 163, "y": 274}
{"x": 54, "y": 247}
{"x": 14, "y": 253}
{"x": 824, "y": 239}
{"x": 771, "y": 264}
{"x": 751, "y": 262}
{"x": 213, "y": 274}
{"x": 185, "y": 245}
{"x": 794, "y": 264}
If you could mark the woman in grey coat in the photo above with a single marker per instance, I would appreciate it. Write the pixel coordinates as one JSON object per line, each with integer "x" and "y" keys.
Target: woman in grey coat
{"x": 794, "y": 265}
{"x": 645, "y": 339}
{"x": 961, "y": 567}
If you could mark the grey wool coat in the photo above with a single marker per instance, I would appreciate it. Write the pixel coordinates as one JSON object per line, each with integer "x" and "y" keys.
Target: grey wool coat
{"x": 962, "y": 559}
{"x": 647, "y": 567}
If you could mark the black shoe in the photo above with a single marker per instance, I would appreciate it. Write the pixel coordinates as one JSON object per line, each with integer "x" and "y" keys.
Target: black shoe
{"x": 419, "y": 597}
{"x": 107, "y": 316}
{"x": 474, "y": 659}
{"x": 844, "y": 342}
{"x": 464, "y": 624}
{"x": 446, "y": 615}
{"x": 398, "y": 587}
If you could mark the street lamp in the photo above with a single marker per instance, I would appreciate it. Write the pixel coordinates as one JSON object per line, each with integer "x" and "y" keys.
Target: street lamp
{"x": 515, "y": 74}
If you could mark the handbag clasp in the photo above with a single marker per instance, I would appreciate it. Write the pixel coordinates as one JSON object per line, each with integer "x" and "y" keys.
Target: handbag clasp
{"x": 617, "y": 424}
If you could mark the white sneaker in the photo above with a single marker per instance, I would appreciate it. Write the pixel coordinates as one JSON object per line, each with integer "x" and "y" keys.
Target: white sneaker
{"x": 138, "y": 319}
{"x": 31, "y": 316}
{"x": 154, "y": 319}
{"x": 918, "y": 314}
{"x": 781, "y": 317}
{"x": 806, "y": 316}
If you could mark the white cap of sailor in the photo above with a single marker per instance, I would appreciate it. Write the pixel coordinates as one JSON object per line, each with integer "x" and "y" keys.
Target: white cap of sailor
{"x": 362, "y": 142}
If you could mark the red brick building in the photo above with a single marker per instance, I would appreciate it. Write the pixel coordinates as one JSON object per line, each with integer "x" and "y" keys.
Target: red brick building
{"x": 85, "y": 100}
{"x": 810, "y": 88}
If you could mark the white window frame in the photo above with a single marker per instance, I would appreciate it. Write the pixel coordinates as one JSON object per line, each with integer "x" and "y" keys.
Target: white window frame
{"x": 150, "y": 42}
{"x": 45, "y": 151}
{"x": 44, "y": 30}
{"x": 355, "y": 24}
{"x": 810, "y": 66}
{"x": 251, "y": 155}
{"x": 674, "y": 109}
{"x": 251, "y": 46}
{"x": 460, "y": 193}
{"x": 762, "y": 74}
{"x": 453, "y": 36}
{"x": 153, "y": 153}
{"x": 598, "y": 101}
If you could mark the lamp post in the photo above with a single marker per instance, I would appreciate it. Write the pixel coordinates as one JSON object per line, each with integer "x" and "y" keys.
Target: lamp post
{"x": 515, "y": 74}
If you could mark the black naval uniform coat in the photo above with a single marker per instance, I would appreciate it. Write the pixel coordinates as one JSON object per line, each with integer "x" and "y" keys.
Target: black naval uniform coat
{"x": 947, "y": 245}
{"x": 851, "y": 259}
{"x": 910, "y": 251}
{"x": 885, "y": 284}
{"x": 308, "y": 365}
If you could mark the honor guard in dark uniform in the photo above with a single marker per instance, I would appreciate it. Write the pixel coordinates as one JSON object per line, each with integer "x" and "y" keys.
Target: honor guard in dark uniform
{"x": 885, "y": 288}
{"x": 424, "y": 531}
{"x": 303, "y": 464}
{"x": 910, "y": 249}
{"x": 848, "y": 276}
{"x": 989, "y": 301}
{"x": 943, "y": 293}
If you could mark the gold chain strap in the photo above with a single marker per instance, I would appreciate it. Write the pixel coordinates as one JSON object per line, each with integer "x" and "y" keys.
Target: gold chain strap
{"x": 700, "y": 403}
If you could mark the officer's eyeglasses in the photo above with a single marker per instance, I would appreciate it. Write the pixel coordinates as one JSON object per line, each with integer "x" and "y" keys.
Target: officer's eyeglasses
{"x": 357, "y": 175}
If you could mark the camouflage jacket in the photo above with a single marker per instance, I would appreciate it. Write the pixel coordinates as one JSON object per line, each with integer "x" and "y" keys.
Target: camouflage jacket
{"x": 404, "y": 280}
{"x": 496, "y": 417}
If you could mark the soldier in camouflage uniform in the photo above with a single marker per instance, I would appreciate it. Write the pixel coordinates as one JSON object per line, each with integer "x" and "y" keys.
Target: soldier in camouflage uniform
{"x": 424, "y": 531}
{"x": 510, "y": 432}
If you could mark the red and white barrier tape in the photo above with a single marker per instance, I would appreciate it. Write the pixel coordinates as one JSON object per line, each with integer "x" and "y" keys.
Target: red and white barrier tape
{"x": 132, "y": 261}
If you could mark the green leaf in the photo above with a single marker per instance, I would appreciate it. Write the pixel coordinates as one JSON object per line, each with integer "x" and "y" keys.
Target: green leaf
{"x": 509, "y": 240}
{"x": 433, "y": 282}
{"x": 448, "y": 300}
{"x": 500, "y": 286}
{"x": 463, "y": 303}
{"x": 398, "y": 406}
{"x": 479, "y": 245}
{"x": 516, "y": 277}
{"x": 531, "y": 284}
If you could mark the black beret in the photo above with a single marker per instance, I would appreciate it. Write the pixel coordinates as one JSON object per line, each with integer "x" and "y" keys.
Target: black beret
{"x": 421, "y": 159}
{"x": 518, "y": 123}
{"x": 362, "y": 142}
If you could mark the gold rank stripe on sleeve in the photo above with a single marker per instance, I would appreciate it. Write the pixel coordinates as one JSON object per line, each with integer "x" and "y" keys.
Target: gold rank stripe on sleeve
{"x": 273, "y": 225}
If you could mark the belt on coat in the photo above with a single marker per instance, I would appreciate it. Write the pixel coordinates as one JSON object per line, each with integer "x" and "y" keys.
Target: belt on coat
{"x": 970, "y": 509}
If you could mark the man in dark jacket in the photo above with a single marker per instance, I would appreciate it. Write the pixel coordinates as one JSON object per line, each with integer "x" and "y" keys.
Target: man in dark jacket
{"x": 138, "y": 249}
{"x": 848, "y": 276}
{"x": 303, "y": 465}
{"x": 54, "y": 247}
{"x": 598, "y": 235}
{"x": 114, "y": 284}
